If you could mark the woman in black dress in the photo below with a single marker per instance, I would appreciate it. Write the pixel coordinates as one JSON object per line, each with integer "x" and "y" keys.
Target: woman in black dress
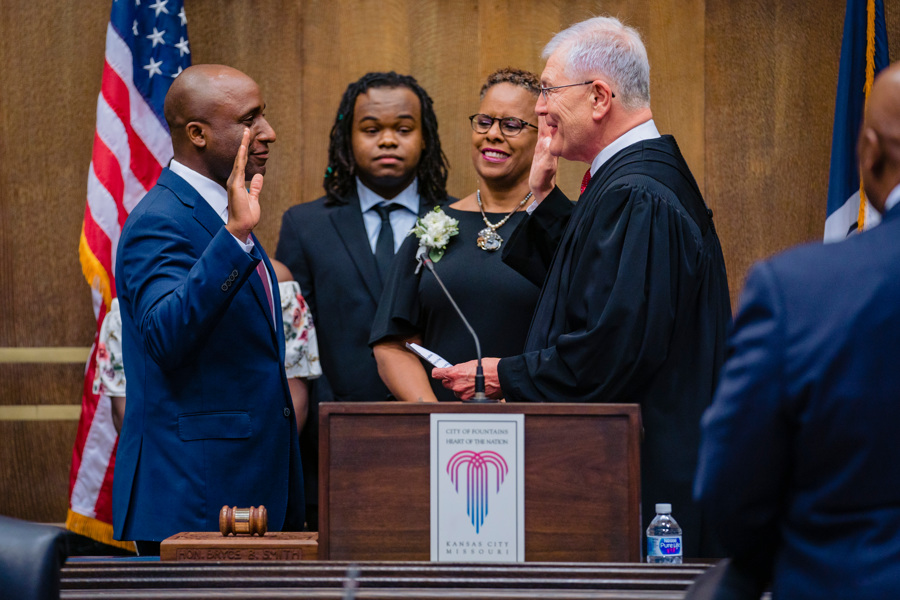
{"x": 497, "y": 301}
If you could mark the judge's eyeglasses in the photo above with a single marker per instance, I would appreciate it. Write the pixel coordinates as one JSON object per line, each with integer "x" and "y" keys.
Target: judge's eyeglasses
{"x": 546, "y": 90}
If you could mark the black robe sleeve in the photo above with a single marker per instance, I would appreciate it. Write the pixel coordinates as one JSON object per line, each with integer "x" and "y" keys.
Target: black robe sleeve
{"x": 531, "y": 246}
{"x": 621, "y": 279}
{"x": 398, "y": 310}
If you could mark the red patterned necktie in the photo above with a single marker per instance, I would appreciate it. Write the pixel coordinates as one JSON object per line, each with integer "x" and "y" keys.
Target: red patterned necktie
{"x": 585, "y": 181}
{"x": 261, "y": 271}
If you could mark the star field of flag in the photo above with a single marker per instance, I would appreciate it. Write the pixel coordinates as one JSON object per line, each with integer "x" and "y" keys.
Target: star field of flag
{"x": 157, "y": 30}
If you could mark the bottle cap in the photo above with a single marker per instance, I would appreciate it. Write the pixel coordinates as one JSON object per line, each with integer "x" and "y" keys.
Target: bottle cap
{"x": 664, "y": 509}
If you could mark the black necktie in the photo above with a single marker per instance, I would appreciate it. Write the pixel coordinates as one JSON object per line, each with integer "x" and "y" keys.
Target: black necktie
{"x": 384, "y": 246}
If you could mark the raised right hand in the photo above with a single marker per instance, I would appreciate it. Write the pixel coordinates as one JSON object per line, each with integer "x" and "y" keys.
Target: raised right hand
{"x": 543, "y": 168}
{"x": 243, "y": 206}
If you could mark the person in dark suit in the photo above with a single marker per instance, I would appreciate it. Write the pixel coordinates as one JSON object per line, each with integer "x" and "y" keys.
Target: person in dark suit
{"x": 209, "y": 419}
{"x": 385, "y": 169}
{"x": 799, "y": 466}
{"x": 634, "y": 305}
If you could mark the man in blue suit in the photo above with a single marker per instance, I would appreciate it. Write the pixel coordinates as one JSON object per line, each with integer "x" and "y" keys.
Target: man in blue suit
{"x": 209, "y": 419}
{"x": 799, "y": 467}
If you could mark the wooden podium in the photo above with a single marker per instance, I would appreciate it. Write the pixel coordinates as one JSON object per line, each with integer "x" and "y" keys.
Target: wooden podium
{"x": 582, "y": 480}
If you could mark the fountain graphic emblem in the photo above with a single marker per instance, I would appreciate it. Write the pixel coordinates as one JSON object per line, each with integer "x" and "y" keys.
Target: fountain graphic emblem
{"x": 478, "y": 467}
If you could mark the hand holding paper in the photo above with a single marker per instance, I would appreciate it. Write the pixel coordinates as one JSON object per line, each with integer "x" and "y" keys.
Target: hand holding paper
{"x": 461, "y": 378}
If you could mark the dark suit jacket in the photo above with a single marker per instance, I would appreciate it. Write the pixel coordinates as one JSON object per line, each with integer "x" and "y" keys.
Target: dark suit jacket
{"x": 209, "y": 419}
{"x": 800, "y": 458}
{"x": 327, "y": 250}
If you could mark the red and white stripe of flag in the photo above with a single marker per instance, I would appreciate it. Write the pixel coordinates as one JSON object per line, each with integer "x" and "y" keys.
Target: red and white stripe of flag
{"x": 130, "y": 149}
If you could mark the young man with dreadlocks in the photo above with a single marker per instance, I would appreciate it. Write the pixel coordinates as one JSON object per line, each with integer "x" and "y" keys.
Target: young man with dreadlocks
{"x": 385, "y": 169}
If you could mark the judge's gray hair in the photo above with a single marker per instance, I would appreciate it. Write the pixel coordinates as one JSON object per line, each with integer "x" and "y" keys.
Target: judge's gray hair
{"x": 603, "y": 46}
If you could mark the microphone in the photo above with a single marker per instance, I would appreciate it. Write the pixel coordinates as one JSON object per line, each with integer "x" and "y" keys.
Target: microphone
{"x": 479, "y": 397}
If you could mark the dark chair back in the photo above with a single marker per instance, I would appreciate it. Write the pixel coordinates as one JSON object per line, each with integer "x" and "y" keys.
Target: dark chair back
{"x": 31, "y": 556}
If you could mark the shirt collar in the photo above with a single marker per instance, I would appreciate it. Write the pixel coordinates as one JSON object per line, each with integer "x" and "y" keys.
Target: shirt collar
{"x": 644, "y": 131}
{"x": 892, "y": 199}
{"x": 214, "y": 194}
{"x": 408, "y": 198}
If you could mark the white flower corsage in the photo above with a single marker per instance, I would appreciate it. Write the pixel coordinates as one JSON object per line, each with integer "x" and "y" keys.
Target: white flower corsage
{"x": 434, "y": 231}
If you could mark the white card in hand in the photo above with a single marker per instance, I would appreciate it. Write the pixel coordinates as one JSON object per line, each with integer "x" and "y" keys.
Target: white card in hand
{"x": 428, "y": 355}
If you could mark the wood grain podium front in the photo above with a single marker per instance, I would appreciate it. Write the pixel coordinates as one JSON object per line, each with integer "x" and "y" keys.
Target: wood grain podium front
{"x": 582, "y": 480}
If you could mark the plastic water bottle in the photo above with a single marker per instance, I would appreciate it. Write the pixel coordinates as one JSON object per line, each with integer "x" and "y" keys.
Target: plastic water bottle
{"x": 664, "y": 537}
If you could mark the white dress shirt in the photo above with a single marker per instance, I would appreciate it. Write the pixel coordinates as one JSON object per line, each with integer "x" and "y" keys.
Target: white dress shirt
{"x": 644, "y": 131}
{"x": 402, "y": 220}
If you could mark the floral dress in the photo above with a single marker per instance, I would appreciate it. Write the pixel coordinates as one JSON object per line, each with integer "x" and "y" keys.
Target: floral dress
{"x": 301, "y": 357}
{"x": 109, "y": 378}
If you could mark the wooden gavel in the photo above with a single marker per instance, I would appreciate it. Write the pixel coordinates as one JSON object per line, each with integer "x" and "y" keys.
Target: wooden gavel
{"x": 250, "y": 521}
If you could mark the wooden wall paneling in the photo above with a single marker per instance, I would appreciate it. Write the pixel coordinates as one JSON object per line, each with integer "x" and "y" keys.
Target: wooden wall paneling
{"x": 675, "y": 35}
{"x": 320, "y": 88}
{"x": 453, "y": 77}
{"x": 34, "y": 470}
{"x": 40, "y": 384}
{"x": 52, "y": 56}
{"x": 738, "y": 84}
{"x": 771, "y": 73}
{"x": 892, "y": 22}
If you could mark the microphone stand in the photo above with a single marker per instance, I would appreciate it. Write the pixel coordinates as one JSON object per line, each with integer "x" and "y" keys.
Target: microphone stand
{"x": 480, "y": 397}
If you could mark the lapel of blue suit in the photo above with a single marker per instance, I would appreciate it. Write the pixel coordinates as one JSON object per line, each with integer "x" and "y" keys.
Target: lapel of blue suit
{"x": 204, "y": 214}
{"x": 348, "y": 222}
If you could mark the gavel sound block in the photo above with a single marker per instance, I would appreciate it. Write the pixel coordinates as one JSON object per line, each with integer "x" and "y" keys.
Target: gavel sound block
{"x": 242, "y": 535}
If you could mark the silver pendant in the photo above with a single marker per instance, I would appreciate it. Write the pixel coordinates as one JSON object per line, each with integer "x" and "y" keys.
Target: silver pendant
{"x": 488, "y": 240}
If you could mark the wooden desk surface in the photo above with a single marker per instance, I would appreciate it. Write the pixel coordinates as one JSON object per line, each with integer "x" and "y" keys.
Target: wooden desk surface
{"x": 129, "y": 579}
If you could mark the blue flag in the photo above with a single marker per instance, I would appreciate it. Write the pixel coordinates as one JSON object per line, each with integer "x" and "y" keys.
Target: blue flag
{"x": 864, "y": 52}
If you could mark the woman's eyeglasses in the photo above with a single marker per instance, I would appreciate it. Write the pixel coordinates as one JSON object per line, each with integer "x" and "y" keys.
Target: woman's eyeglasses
{"x": 509, "y": 126}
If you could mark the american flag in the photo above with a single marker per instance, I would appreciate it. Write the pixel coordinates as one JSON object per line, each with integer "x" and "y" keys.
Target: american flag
{"x": 146, "y": 48}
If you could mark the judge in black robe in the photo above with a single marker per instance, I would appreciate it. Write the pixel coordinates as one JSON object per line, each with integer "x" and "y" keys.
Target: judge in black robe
{"x": 634, "y": 305}
{"x": 634, "y": 308}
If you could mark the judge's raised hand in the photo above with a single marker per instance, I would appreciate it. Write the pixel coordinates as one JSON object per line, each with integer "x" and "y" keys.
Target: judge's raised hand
{"x": 243, "y": 205}
{"x": 544, "y": 165}
{"x": 460, "y": 379}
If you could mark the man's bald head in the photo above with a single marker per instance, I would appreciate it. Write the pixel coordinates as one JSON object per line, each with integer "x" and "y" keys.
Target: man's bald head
{"x": 207, "y": 109}
{"x": 879, "y": 138}
{"x": 194, "y": 92}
